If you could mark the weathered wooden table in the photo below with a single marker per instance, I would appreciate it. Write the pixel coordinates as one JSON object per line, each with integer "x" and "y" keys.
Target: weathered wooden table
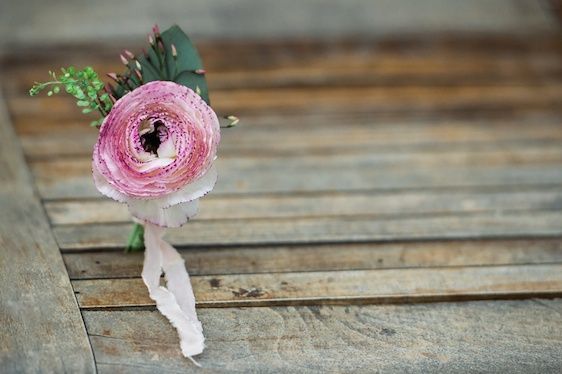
{"x": 386, "y": 205}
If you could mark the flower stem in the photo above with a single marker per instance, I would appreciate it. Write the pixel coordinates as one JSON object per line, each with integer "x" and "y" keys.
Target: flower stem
{"x": 38, "y": 87}
{"x": 136, "y": 239}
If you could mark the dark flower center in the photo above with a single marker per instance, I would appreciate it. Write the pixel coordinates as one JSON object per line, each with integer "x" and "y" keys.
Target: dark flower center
{"x": 151, "y": 140}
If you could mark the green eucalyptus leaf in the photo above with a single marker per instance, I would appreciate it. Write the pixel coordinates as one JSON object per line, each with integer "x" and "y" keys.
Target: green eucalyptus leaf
{"x": 192, "y": 80}
{"x": 154, "y": 61}
{"x": 134, "y": 81}
{"x": 149, "y": 72}
{"x": 187, "y": 60}
{"x": 119, "y": 91}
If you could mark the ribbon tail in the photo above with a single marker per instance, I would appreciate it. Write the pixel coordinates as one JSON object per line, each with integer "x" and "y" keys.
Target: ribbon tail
{"x": 176, "y": 301}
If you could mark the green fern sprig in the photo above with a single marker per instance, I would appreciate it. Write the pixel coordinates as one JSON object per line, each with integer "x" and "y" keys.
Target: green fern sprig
{"x": 84, "y": 85}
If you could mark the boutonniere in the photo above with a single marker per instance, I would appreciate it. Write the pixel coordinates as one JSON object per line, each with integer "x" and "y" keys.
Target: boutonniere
{"x": 158, "y": 140}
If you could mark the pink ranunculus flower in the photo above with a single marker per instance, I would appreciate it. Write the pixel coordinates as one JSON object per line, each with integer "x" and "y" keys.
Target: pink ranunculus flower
{"x": 155, "y": 152}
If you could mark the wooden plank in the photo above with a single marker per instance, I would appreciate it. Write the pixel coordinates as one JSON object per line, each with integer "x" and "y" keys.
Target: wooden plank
{"x": 216, "y": 20}
{"x": 77, "y": 144}
{"x": 326, "y": 230}
{"x": 384, "y": 127}
{"x": 360, "y": 71}
{"x": 42, "y": 329}
{"x": 259, "y": 54}
{"x": 485, "y": 336}
{"x": 348, "y": 65}
{"x": 545, "y": 96}
{"x": 324, "y": 204}
{"x": 329, "y": 257}
{"x": 389, "y": 99}
{"x": 71, "y": 178}
{"x": 340, "y": 287}
{"x": 419, "y": 156}
{"x": 274, "y": 136}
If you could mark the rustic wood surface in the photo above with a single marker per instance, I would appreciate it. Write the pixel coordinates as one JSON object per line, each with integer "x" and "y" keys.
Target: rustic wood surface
{"x": 42, "y": 329}
{"x": 487, "y": 337}
{"x": 388, "y": 171}
{"x": 327, "y": 257}
{"x": 340, "y": 287}
{"x": 265, "y": 19}
{"x": 322, "y": 204}
{"x": 326, "y": 230}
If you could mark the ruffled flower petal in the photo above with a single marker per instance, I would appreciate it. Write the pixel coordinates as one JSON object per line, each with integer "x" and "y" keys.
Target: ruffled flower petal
{"x": 155, "y": 152}
{"x": 191, "y": 191}
{"x": 105, "y": 187}
{"x": 173, "y": 216}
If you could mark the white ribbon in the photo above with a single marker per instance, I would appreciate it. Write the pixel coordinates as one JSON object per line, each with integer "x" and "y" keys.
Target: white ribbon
{"x": 176, "y": 302}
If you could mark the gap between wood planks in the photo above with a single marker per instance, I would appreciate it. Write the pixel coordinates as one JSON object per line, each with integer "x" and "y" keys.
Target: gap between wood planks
{"x": 76, "y": 142}
{"x": 381, "y": 72}
{"x": 341, "y": 287}
{"x": 209, "y": 260}
{"x": 380, "y": 205}
{"x": 342, "y": 63}
{"x": 117, "y": 338}
{"x": 42, "y": 329}
{"x": 487, "y": 336}
{"x": 410, "y": 272}
{"x": 72, "y": 178}
{"x": 416, "y": 57}
{"x": 546, "y": 96}
{"x": 326, "y": 230}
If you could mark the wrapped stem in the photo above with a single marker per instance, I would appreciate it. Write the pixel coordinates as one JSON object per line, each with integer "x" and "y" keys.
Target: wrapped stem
{"x": 135, "y": 243}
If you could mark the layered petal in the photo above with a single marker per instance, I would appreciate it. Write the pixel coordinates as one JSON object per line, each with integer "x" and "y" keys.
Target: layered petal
{"x": 155, "y": 152}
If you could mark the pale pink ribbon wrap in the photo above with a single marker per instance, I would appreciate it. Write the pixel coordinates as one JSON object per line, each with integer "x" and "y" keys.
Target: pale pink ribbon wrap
{"x": 176, "y": 301}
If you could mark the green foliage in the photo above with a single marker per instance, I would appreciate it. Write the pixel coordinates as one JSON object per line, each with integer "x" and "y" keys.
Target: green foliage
{"x": 186, "y": 68}
{"x": 170, "y": 57}
{"x": 136, "y": 239}
{"x": 84, "y": 85}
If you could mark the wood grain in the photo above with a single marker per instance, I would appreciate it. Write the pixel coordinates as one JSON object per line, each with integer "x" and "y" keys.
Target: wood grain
{"x": 256, "y": 54}
{"x": 388, "y": 129}
{"x": 400, "y": 170}
{"x": 353, "y": 69}
{"x": 340, "y": 287}
{"x": 380, "y": 204}
{"x": 350, "y": 63}
{"x": 485, "y": 336}
{"x": 42, "y": 329}
{"x": 71, "y": 178}
{"x": 417, "y": 99}
{"x": 242, "y": 19}
{"x": 325, "y": 134}
{"x": 326, "y": 230}
{"x": 327, "y": 257}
